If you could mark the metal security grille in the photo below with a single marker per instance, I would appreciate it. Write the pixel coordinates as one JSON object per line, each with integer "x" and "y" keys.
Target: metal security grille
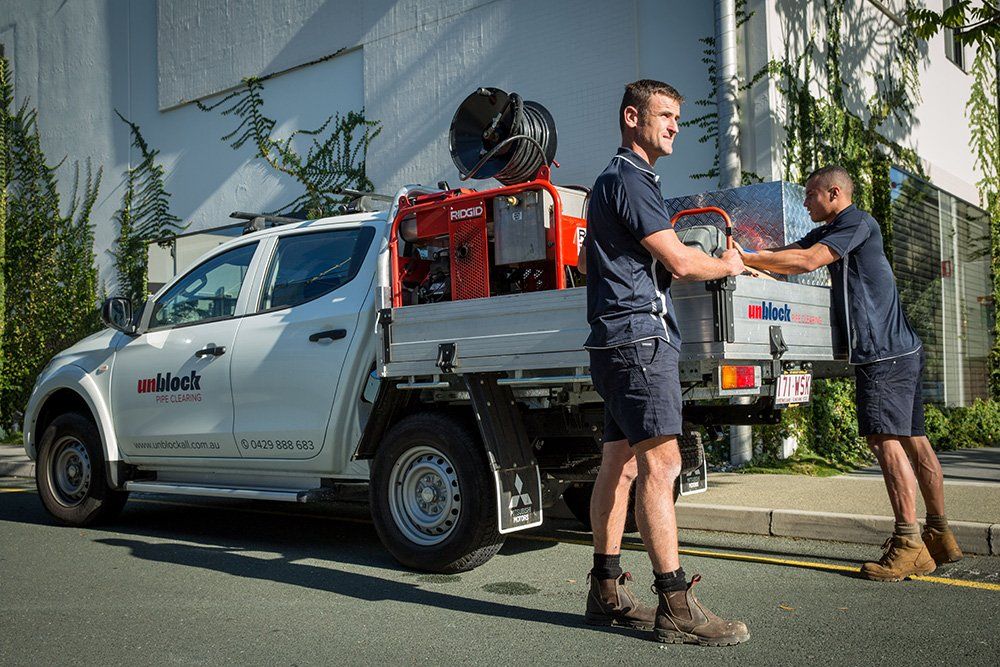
{"x": 941, "y": 260}
{"x": 470, "y": 278}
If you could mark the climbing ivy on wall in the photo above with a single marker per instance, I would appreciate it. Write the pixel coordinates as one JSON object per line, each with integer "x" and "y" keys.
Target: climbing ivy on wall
{"x": 335, "y": 158}
{"x": 820, "y": 129}
{"x": 6, "y": 102}
{"x": 144, "y": 217}
{"x": 50, "y": 279}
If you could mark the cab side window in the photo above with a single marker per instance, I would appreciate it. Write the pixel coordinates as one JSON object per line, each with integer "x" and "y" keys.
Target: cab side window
{"x": 209, "y": 292}
{"x": 307, "y": 266}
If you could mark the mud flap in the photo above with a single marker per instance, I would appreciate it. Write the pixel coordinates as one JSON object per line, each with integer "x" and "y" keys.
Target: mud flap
{"x": 515, "y": 471}
{"x": 694, "y": 481}
{"x": 519, "y": 498}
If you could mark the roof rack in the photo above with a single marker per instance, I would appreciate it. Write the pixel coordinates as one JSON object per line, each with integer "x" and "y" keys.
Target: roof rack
{"x": 259, "y": 221}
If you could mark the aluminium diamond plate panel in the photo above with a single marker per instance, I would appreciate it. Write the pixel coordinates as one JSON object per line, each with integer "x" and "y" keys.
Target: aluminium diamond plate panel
{"x": 764, "y": 215}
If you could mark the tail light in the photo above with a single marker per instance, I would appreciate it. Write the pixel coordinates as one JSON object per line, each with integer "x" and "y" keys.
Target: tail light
{"x": 739, "y": 377}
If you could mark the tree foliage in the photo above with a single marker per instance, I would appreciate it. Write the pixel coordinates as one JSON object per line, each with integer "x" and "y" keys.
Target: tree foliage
{"x": 144, "y": 217}
{"x": 335, "y": 157}
{"x": 6, "y": 102}
{"x": 49, "y": 271}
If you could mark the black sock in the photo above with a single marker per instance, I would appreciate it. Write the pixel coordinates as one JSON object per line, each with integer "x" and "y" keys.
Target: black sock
{"x": 666, "y": 582}
{"x": 607, "y": 566}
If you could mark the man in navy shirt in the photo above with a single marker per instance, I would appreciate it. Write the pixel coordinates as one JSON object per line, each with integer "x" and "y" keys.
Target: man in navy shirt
{"x": 888, "y": 360}
{"x": 631, "y": 254}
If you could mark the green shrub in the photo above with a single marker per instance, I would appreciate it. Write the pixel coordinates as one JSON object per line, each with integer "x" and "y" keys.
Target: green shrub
{"x": 975, "y": 426}
{"x": 835, "y": 424}
{"x": 937, "y": 424}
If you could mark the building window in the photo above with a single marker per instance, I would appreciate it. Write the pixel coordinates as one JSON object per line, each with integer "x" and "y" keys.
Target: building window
{"x": 953, "y": 48}
{"x": 941, "y": 258}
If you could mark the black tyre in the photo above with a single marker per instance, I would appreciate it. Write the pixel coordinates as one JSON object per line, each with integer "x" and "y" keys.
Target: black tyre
{"x": 577, "y": 498}
{"x": 70, "y": 473}
{"x": 433, "y": 498}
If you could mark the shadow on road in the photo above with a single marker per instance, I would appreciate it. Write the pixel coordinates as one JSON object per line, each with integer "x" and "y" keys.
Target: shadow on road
{"x": 352, "y": 584}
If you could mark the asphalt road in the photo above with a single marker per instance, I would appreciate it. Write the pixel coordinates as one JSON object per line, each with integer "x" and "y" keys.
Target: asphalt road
{"x": 964, "y": 465}
{"x": 194, "y": 581}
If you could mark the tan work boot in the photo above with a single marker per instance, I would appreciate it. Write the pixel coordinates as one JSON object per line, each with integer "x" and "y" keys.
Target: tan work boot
{"x": 903, "y": 557}
{"x": 942, "y": 545}
{"x": 682, "y": 619}
{"x": 610, "y": 602}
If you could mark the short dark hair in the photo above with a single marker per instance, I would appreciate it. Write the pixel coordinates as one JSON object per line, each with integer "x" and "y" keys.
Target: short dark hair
{"x": 638, "y": 93}
{"x": 836, "y": 175}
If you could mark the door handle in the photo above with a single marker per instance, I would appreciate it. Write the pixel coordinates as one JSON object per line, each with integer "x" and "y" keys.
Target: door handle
{"x": 332, "y": 334}
{"x": 211, "y": 351}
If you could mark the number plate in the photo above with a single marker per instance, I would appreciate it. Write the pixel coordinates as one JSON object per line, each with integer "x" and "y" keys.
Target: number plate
{"x": 793, "y": 388}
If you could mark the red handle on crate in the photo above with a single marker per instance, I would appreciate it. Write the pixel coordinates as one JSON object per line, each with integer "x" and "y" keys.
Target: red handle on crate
{"x": 708, "y": 209}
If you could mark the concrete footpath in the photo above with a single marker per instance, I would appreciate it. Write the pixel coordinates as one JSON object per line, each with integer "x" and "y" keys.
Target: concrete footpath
{"x": 847, "y": 508}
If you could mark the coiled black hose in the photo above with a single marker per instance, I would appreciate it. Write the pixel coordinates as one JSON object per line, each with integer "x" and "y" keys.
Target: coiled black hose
{"x": 515, "y": 142}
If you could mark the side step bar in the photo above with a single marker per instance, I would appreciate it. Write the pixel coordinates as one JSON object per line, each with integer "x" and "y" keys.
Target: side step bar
{"x": 341, "y": 492}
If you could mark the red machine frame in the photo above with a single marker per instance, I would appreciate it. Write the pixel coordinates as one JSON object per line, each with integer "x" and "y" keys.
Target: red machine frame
{"x": 560, "y": 235}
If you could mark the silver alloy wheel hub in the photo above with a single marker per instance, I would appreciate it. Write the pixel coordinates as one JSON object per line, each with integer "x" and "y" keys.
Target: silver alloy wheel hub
{"x": 70, "y": 471}
{"x": 424, "y": 497}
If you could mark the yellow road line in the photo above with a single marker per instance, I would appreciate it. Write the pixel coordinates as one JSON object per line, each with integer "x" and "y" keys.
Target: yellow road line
{"x": 787, "y": 562}
{"x": 629, "y": 546}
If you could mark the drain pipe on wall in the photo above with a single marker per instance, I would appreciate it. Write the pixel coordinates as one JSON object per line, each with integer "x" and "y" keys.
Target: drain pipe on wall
{"x": 730, "y": 169}
{"x": 725, "y": 94}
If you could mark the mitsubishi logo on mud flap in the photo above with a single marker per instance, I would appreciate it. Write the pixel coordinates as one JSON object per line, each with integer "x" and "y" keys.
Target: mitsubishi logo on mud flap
{"x": 519, "y": 498}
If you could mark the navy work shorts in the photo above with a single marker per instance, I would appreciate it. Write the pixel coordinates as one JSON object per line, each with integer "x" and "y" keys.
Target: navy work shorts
{"x": 641, "y": 387}
{"x": 889, "y": 396}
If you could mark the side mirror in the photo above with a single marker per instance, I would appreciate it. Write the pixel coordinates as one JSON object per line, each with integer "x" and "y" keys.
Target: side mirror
{"x": 116, "y": 312}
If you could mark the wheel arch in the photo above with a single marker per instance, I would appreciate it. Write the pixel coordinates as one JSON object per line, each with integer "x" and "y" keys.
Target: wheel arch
{"x": 71, "y": 390}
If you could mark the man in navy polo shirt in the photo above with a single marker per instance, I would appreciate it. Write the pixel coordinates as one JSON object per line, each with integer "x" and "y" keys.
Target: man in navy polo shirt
{"x": 634, "y": 343}
{"x": 888, "y": 360}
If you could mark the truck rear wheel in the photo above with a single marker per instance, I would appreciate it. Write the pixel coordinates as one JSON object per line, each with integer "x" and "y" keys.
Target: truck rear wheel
{"x": 433, "y": 498}
{"x": 70, "y": 473}
{"x": 577, "y": 499}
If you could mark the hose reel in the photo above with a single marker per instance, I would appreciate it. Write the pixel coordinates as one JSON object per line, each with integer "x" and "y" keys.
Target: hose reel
{"x": 496, "y": 134}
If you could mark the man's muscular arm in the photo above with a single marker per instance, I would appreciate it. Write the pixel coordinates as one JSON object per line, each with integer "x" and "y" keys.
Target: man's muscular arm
{"x": 691, "y": 263}
{"x": 791, "y": 259}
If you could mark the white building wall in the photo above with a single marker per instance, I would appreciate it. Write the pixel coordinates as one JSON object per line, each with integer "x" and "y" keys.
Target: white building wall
{"x": 408, "y": 63}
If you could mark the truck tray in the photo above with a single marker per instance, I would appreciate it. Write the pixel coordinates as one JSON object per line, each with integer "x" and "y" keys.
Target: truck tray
{"x": 546, "y": 330}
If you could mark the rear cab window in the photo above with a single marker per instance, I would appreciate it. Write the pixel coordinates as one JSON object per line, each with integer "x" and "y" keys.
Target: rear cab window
{"x": 307, "y": 266}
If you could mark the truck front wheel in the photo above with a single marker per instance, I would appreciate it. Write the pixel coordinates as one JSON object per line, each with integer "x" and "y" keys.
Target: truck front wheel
{"x": 433, "y": 498}
{"x": 70, "y": 473}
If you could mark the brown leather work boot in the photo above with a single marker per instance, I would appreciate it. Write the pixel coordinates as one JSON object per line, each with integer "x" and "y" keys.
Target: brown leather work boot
{"x": 682, "y": 619}
{"x": 610, "y": 602}
{"x": 942, "y": 545}
{"x": 903, "y": 557}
